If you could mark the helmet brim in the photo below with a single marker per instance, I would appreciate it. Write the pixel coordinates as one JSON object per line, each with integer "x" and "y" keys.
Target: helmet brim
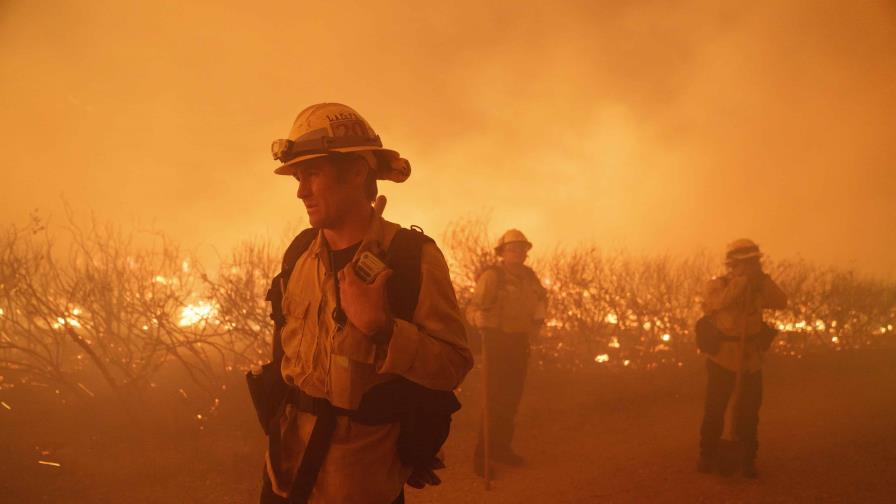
{"x": 290, "y": 167}
{"x": 743, "y": 257}
{"x": 501, "y": 246}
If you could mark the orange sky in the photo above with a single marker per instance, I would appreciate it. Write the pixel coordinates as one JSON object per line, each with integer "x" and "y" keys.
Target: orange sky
{"x": 647, "y": 126}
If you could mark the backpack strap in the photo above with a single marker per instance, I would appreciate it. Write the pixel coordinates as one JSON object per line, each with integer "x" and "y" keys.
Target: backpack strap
{"x": 295, "y": 250}
{"x": 275, "y": 294}
{"x": 404, "y": 257}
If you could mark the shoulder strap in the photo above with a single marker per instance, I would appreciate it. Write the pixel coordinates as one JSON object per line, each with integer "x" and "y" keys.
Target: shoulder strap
{"x": 404, "y": 257}
{"x": 295, "y": 250}
{"x": 275, "y": 294}
{"x": 533, "y": 276}
{"x": 531, "y": 272}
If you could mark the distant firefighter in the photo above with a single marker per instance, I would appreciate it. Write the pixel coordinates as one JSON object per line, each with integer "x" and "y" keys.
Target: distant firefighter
{"x": 734, "y": 336}
{"x": 508, "y": 308}
{"x": 369, "y": 341}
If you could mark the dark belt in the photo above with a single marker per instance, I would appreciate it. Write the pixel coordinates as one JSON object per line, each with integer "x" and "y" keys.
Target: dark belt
{"x": 318, "y": 442}
{"x": 316, "y": 406}
{"x": 388, "y": 402}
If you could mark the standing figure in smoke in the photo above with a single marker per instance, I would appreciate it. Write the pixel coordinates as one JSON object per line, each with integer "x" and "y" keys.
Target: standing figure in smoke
{"x": 508, "y": 308}
{"x": 734, "y": 336}
{"x": 369, "y": 341}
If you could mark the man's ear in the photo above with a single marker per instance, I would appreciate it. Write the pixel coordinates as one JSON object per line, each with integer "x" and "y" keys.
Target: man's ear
{"x": 359, "y": 169}
{"x": 362, "y": 167}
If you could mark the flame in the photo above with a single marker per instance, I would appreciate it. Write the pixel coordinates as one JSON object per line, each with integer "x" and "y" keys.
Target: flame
{"x": 666, "y": 338}
{"x": 612, "y": 318}
{"x": 602, "y": 358}
{"x": 193, "y": 314}
{"x": 66, "y": 321}
{"x": 614, "y": 342}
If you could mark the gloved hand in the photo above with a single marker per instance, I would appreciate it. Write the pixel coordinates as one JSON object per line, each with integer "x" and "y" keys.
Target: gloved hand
{"x": 422, "y": 476}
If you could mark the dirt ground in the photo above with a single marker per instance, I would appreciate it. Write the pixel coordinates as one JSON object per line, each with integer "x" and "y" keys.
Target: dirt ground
{"x": 827, "y": 434}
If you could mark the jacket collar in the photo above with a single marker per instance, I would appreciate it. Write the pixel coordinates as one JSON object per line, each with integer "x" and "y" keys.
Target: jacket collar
{"x": 377, "y": 238}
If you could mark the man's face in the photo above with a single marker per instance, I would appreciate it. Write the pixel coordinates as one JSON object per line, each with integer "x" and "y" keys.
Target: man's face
{"x": 744, "y": 267}
{"x": 515, "y": 252}
{"x": 328, "y": 195}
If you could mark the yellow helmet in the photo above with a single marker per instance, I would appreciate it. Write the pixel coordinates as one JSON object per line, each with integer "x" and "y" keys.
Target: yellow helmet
{"x": 327, "y": 128}
{"x": 741, "y": 249}
{"x": 511, "y": 236}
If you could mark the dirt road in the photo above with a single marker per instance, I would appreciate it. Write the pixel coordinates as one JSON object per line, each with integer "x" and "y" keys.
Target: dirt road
{"x": 827, "y": 434}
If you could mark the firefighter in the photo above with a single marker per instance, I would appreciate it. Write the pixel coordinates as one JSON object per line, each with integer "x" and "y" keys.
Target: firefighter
{"x": 733, "y": 305}
{"x": 508, "y": 309}
{"x": 346, "y": 345}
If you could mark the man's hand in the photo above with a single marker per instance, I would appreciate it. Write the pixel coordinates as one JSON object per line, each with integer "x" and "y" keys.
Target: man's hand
{"x": 751, "y": 272}
{"x": 423, "y": 476}
{"x": 364, "y": 304}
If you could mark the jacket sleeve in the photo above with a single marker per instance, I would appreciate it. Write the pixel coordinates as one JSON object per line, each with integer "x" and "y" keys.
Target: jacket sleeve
{"x": 432, "y": 350}
{"x": 482, "y": 304}
{"x": 721, "y": 293}
{"x": 772, "y": 296}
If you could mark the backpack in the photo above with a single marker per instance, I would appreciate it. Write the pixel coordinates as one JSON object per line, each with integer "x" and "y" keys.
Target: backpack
{"x": 423, "y": 414}
{"x": 474, "y": 334}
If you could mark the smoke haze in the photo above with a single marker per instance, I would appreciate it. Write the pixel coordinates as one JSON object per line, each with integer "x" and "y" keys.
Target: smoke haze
{"x": 655, "y": 127}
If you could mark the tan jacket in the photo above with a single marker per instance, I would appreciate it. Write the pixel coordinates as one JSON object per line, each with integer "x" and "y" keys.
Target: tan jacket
{"x": 727, "y": 302}
{"x": 362, "y": 464}
{"x": 508, "y": 298}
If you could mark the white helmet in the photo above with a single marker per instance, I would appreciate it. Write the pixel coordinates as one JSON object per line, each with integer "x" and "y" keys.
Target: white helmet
{"x": 741, "y": 249}
{"x": 327, "y": 128}
{"x": 511, "y": 236}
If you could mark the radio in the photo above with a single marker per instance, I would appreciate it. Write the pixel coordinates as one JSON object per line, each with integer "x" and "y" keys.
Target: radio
{"x": 368, "y": 267}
